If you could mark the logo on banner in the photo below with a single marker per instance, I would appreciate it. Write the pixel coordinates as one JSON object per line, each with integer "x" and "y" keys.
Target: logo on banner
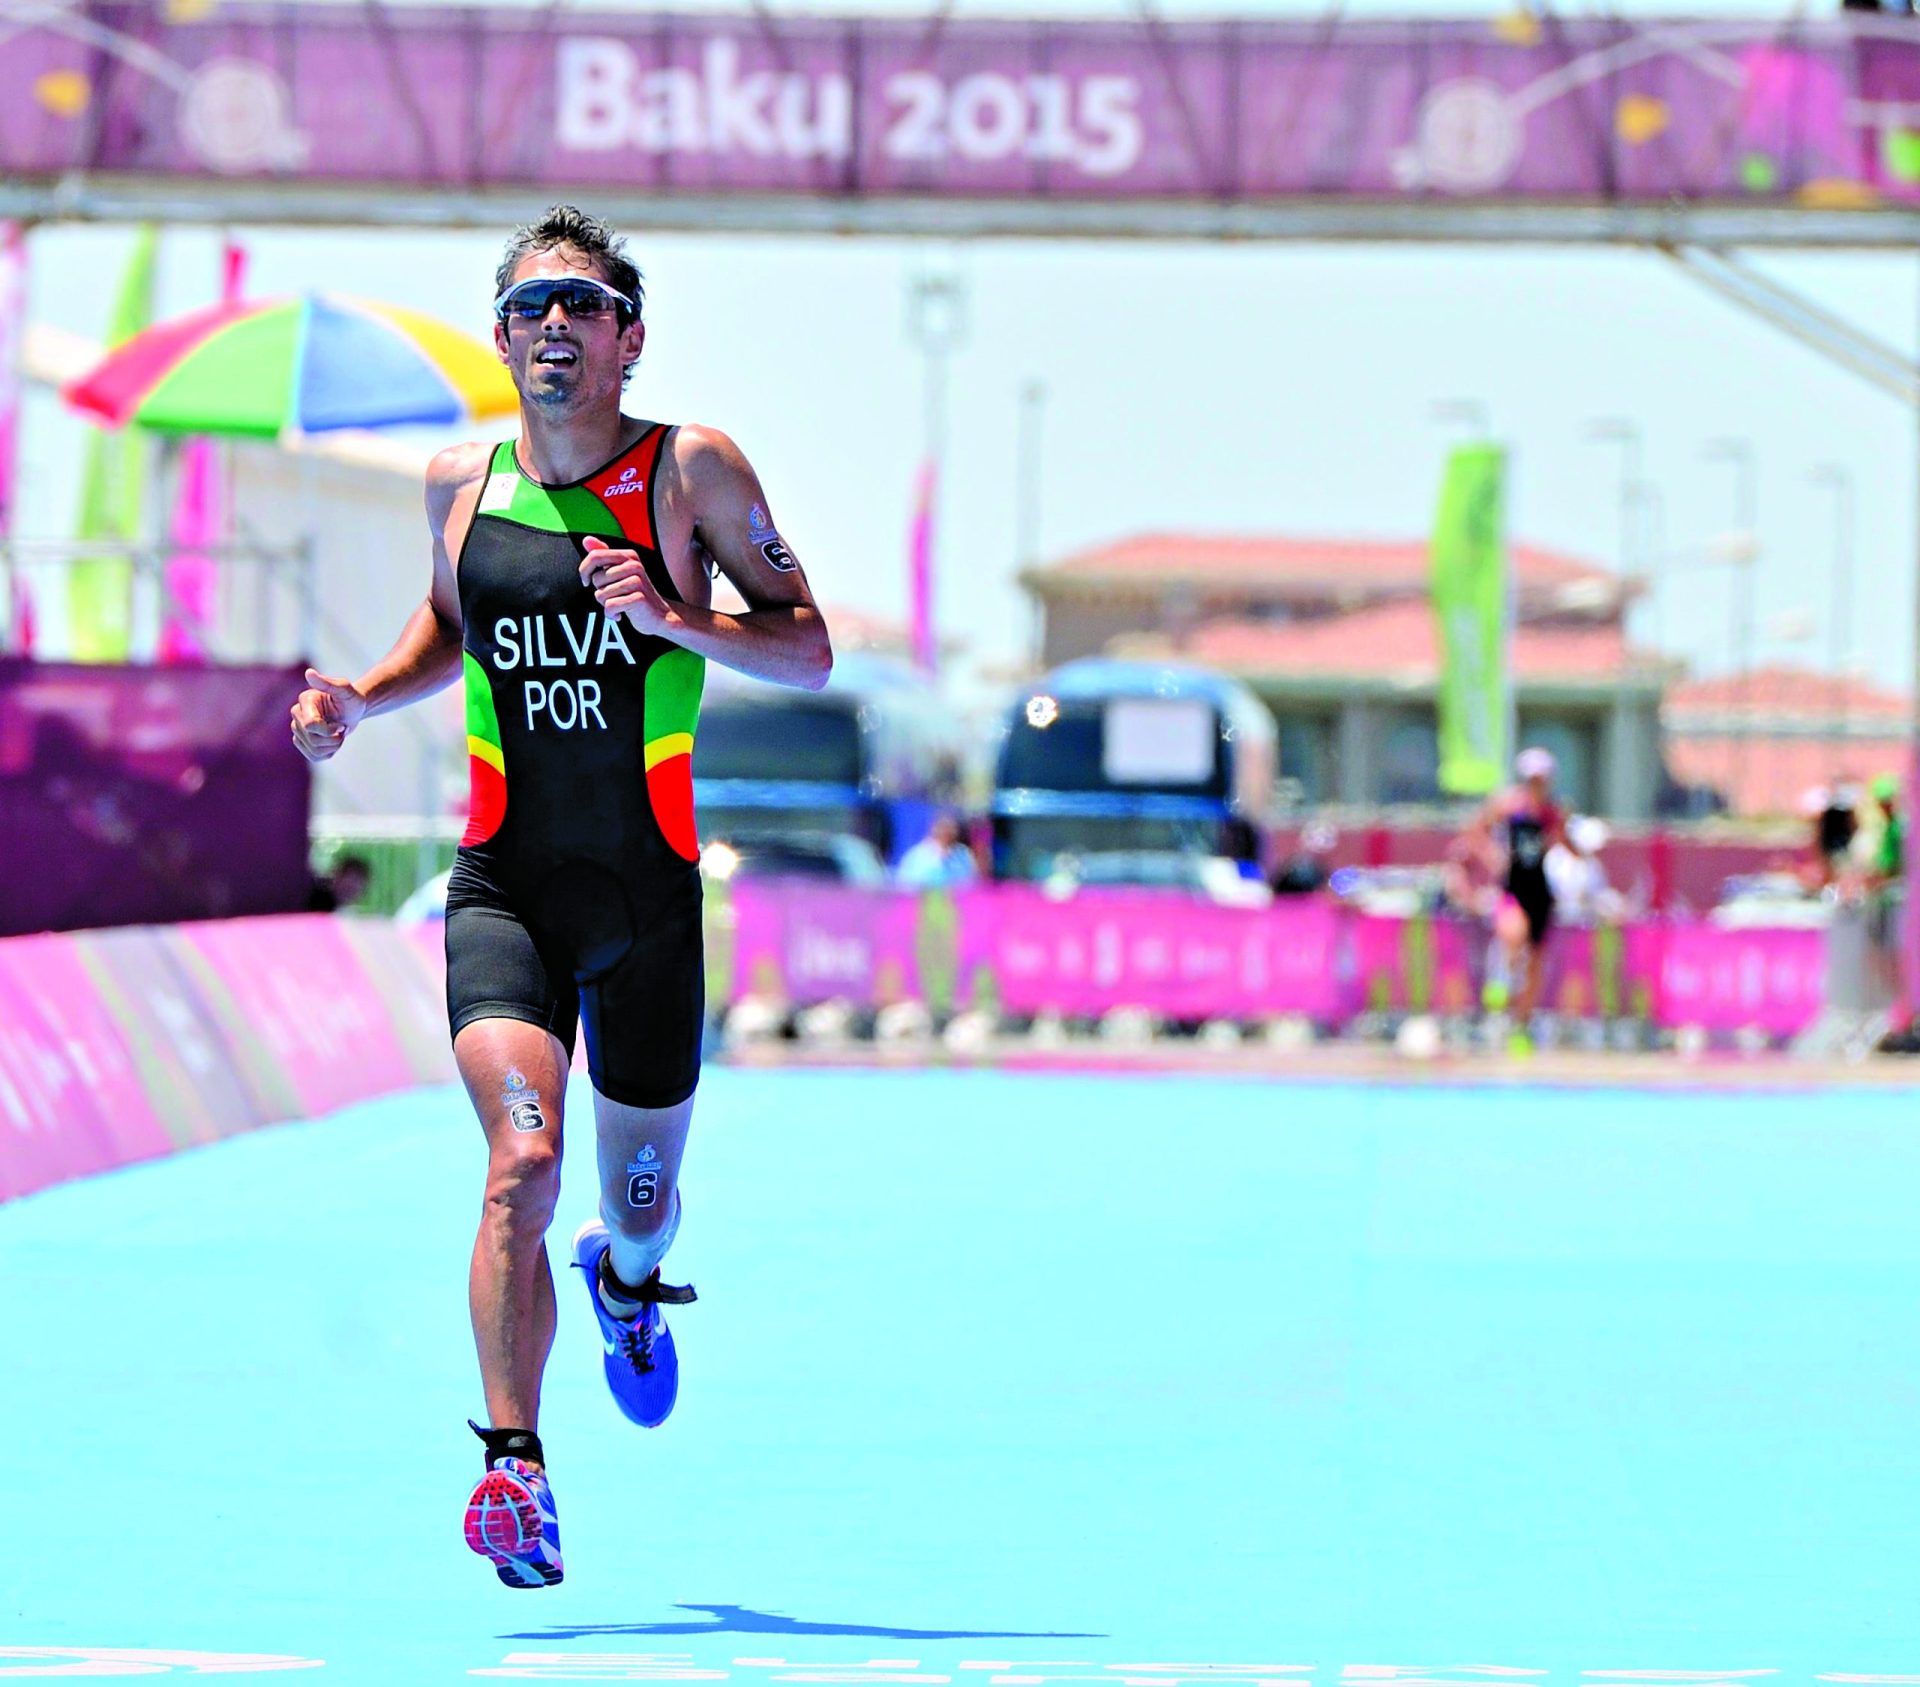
{"x": 236, "y": 116}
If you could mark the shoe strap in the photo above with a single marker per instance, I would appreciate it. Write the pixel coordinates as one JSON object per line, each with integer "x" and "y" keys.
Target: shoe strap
{"x": 501, "y": 1444}
{"x": 651, "y": 1292}
{"x": 666, "y": 1294}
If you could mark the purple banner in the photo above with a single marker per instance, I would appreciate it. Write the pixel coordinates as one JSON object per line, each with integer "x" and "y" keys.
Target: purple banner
{"x": 136, "y": 794}
{"x": 1820, "y": 112}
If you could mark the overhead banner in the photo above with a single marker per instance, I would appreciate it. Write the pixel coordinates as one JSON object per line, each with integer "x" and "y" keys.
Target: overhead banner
{"x": 1816, "y": 111}
{"x": 1470, "y": 603}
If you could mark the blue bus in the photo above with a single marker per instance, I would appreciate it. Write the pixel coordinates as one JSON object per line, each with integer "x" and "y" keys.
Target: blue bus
{"x": 1149, "y": 760}
{"x": 874, "y": 755}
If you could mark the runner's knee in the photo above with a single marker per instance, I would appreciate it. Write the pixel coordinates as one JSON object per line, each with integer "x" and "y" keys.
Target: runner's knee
{"x": 523, "y": 1184}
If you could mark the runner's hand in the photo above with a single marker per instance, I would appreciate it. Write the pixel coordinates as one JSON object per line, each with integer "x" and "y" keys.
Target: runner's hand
{"x": 618, "y": 581}
{"x": 324, "y": 714}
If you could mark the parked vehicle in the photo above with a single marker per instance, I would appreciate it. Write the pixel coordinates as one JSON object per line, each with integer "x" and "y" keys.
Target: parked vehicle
{"x": 1131, "y": 758}
{"x": 873, "y": 756}
{"x": 838, "y": 858}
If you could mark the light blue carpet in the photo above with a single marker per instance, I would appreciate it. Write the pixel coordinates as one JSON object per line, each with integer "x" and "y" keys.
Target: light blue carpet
{"x": 1073, "y": 1376}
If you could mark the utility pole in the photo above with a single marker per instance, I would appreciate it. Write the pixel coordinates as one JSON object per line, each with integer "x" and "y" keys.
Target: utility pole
{"x": 937, "y": 325}
{"x": 1028, "y": 481}
{"x": 1840, "y": 480}
{"x": 1624, "y": 432}
{"x": 1746, "y": 497}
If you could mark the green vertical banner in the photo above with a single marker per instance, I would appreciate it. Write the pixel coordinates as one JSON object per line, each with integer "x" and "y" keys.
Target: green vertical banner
{"x": 113, "y": 494}
{"x": 1470, "y": 600}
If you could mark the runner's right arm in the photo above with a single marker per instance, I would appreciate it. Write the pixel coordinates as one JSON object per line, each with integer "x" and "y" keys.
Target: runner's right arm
{"x": 1478, "y": 835}
{"x": 426, "y": 656}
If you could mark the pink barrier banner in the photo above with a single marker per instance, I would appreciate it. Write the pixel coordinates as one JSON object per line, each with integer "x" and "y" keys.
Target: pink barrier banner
{"x": 297, "y": 1005}
{"x": 1818, "y": 111}
{"x": 52, "y": 1124}
{"x": 119, "y": 1046}
{"x": 810, "y": 942}
{"x": 1773, "y": 981}
{"x": 1180, "y": 958}
{"x": 1015, "y": 948}
{"x": 81, "y": 1049}
{"x": 1408, "y": 966}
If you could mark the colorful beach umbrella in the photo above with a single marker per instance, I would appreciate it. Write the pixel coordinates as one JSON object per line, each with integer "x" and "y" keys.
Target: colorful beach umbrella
{"x": 309, "y": 364}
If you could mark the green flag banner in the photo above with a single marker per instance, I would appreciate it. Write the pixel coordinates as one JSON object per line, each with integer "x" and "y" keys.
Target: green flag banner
{"x": 112, "y": 495}
{"x": 1470, "y": 606}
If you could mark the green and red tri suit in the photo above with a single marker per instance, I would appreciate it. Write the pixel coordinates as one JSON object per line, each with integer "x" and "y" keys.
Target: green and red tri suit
{"x": 564, "y": 705}
{"x": 576, "y": 889}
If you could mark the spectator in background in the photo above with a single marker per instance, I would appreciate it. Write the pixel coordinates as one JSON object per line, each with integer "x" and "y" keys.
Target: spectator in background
{"x": 1890, "y": 850}
{"x": 1833, "y": 827}
{"x": 1305, "y": 871}
{"x": 940, "y": 860}
{"x": 1884, "y": 882}
{"x": 352, "y": 879}
{"x": 1840, "y": 824}
{"x": 345, "y": 886}
{"x": 1581, "y": 893}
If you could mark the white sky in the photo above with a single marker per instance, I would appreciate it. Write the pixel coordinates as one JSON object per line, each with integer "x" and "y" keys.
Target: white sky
{"x": 1221, "y": 388}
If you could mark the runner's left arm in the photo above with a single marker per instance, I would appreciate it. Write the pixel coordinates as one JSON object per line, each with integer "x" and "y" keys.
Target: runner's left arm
{"x": 782, "y": 636}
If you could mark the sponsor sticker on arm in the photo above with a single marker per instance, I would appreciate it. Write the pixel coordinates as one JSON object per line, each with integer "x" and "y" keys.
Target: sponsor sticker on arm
{"x": 761, "y": 534}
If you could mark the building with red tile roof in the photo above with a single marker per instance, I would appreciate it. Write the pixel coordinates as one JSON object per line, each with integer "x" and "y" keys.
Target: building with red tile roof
{"x": 1767, "y": 739}
{"x": 1338, "y": 637}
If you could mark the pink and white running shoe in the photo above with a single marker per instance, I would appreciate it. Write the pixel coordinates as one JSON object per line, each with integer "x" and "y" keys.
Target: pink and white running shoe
{"x": 511, "y": 1519}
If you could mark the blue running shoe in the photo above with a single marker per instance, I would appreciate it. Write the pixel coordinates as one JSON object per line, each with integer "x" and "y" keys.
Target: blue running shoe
{"x": 512, "y": 1521}
{"x": 642, "y": 1370}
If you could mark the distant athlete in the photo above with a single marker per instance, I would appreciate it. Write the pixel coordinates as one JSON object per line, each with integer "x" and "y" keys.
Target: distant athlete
{"x": 571, "y": 590}
{"x": 1510, "y": 837}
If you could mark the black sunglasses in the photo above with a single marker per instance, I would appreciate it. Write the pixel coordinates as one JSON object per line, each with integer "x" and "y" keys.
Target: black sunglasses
{"x": 577, "y": 295}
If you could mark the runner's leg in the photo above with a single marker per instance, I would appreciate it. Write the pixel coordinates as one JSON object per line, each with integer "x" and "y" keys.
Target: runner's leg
{"x": 640, "y": 1151}
{"x": 510, "y": 1283}
{"x": 1539, "y": 924}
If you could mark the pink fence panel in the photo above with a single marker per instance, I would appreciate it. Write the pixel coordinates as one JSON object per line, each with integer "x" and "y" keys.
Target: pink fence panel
{"x": 52, "y": 1124}
{"x": 1015, "y": 947}
{"x": 118, "y": 1046}
{"x": 1172, "y": 955}
{"x": 296, "y": 1000}
{"x": 802, "y": 942}
{"x": 87, "y": 1048}
{"x": 1769, "y": 980}
{"x": 406, "y": 966}
{"x": 172, "y": 1035}
{"x": 1391, "y": 965}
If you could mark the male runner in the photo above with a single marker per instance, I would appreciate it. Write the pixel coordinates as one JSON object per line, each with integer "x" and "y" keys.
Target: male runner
{"x": 1532, "y": 824}
{"x": 571, "y": 588}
